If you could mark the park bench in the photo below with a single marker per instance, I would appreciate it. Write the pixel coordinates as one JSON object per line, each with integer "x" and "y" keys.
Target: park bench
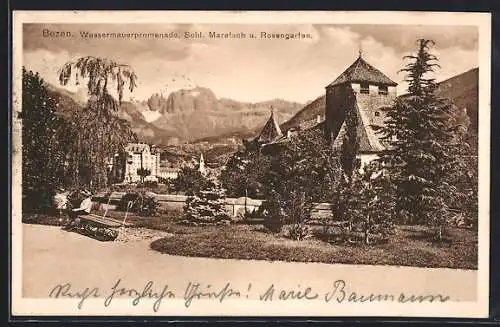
{"x": 99, "y": 227}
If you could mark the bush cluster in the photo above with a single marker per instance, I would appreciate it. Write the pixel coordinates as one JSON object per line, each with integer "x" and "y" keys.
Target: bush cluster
{"x": 139, "y": 203}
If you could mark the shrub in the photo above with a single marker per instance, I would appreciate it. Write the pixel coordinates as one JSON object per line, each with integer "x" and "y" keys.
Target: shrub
{"x": 298, "y": 231}
{"x": 190, "y": 181}
{"x": 140, "y": 203}
{"x": 273, "y": 213}
{"x": 250, "y": 215}
{"x": 291, "y": 208}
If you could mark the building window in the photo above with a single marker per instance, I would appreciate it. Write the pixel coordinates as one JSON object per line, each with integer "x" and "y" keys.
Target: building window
{"x": 382, "y": 89}
{"x": 364, "y": 88}
{"x": 377, "y": 113}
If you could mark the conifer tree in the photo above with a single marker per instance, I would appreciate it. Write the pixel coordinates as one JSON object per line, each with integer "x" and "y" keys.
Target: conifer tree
{"x": 418, "y": 130}
{"x": 207, "y": 206}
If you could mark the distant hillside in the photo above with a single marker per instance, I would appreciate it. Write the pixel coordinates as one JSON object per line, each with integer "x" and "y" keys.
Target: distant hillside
{"x": 463, "y": 91}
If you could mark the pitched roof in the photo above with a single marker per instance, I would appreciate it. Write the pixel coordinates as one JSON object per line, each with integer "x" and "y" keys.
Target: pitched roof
{"x": 312, "y": 128}
{"x": 361, "y": 71}
{"x": 136, "y": 147}
{"x": 368, "y": 140}
{"x": 270, "y": 132}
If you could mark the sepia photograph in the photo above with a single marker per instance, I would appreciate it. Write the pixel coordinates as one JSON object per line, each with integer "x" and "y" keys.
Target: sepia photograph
{"x": 251, "y": 163}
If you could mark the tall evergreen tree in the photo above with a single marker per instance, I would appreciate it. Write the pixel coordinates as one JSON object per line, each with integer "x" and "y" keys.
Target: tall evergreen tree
{"x": 350, "y": 142}
{"x": 418, "y": 130}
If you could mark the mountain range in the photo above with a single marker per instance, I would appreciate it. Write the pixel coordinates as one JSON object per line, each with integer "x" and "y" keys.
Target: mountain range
{"x": 187, "y": 115}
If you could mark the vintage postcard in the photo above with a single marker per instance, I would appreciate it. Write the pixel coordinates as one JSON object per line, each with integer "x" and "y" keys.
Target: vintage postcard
{"x": 250, "y": 163}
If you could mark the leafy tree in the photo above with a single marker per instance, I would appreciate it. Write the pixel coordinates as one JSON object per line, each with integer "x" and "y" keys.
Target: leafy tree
{"x": 42, "y": 156}
{"x": 306, "y": 171}
{"x": 143, "y": 173}
{"x": 190, "y": 181}
{"x": 462, "y": 177}
{"x": 245, "y": 174}
{"x": 98, "y": 132}
{"x": 419, "y": 128}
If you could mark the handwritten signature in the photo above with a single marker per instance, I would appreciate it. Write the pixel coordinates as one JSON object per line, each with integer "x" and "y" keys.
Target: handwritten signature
{"x": 339, "y": 292}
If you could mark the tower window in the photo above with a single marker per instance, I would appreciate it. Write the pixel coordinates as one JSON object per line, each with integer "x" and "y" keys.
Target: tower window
{"x": 382, "y": 89}
{"x": 364, "y": 88}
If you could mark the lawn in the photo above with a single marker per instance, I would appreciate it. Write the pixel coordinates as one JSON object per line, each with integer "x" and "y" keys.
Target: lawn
{"x": 409, "y": 246}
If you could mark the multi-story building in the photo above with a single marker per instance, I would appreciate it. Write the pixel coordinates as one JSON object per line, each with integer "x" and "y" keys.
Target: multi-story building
{"x": 126, "y": 166}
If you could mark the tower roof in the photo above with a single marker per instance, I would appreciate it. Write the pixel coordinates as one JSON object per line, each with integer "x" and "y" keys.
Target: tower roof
{"x": 361, "y": 71}
{"x": 271, "y": 130}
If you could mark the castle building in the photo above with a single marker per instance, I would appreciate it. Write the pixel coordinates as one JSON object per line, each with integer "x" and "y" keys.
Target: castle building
{"x": 361, "y": 89}
{"x": 366, "y": 90}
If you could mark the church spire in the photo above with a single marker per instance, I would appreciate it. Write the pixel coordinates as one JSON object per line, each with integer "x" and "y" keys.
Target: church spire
{"x": 201, "y": 167}
{"x": 360, "y": 50}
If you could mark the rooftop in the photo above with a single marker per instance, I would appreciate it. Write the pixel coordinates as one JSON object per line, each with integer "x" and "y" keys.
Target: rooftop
{"x": 361, "y": 71}
{"x": 271, "y": 130}
{"x": 138, "y": 147}
{"x": 368, "y": 140}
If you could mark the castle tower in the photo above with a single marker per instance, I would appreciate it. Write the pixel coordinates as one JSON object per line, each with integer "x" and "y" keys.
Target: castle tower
{"x": 365, "y": 89}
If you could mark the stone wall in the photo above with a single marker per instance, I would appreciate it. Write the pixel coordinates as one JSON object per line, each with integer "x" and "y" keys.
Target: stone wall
{"x": 235, "y": 207}
{"x": 372, "y": 103}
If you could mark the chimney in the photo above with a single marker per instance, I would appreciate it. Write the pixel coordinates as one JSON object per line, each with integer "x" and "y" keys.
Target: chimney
{"x": 318, "y": 119}
{"x": 288, "y": 134}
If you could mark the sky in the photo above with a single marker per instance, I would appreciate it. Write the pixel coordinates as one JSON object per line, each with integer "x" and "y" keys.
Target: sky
{"x": 248, "y": 70}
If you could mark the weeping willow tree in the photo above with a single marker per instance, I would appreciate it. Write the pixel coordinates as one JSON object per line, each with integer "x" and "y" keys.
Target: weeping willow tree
{"x": 96, "y": 132}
